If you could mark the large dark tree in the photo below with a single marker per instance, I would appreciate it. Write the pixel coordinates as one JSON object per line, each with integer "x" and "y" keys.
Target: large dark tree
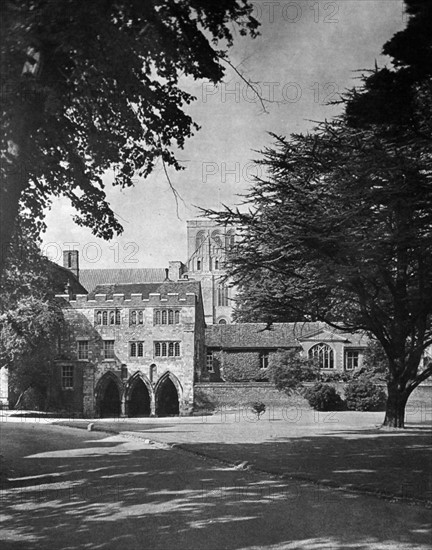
{"x": 340, "y": 230}
{"x": 88, "y": 86}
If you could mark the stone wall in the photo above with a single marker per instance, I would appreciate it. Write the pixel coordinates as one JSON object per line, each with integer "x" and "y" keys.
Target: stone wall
{"x": 213, "y": 395}
{"x": 216, "y": 395}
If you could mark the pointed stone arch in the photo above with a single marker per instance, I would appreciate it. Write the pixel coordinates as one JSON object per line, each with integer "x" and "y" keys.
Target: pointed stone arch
{"x": 109, "y": 395}
{"x": 168, "y": 403}
{"x": 136, "y": 403}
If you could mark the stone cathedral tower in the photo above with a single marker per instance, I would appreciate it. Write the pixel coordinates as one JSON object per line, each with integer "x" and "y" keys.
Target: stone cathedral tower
{"x": 207, "y": 246}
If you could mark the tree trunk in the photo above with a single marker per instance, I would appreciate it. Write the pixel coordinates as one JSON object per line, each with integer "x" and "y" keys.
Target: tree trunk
{"x": 395, "y": 408}
{"x": 13, "y": 169}
{"x": 12, "y": 183}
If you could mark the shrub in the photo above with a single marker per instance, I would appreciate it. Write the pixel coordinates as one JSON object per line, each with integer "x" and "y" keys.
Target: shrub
{"x": 243, "y": 367}
{"x": 258, "y": 407}
{"x": 331, "y": 377}
{"x": 288, "y": 370}
{"x": 362, "y": 394}
{"x": 323, "y": 397}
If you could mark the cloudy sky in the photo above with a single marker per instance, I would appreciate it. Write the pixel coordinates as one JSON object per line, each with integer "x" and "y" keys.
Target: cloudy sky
{"x": 307, "y": 53}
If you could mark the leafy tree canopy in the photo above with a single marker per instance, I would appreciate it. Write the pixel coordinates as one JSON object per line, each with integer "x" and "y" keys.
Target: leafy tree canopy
{"x": 30, "y": 318}
{"x": 89, "y": 86}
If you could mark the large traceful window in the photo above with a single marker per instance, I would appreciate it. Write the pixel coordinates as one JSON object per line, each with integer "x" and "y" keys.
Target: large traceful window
{"x": 324, "y": 354}
{"x": 351, "y": 359}
{"x": 67, "y": 377}
{"x": 167, "y": 349}
{"x": 107, "y": 317}
{"x": 166, "y": 317}
{"x": 83, "y": 349}
{"x": 108, "y": 349}
{"x": 136, "y": 349}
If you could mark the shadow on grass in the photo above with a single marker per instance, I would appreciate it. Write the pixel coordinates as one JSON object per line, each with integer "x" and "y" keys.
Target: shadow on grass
{"x": 386, "y": 463}
{"x": 111, "y": 493}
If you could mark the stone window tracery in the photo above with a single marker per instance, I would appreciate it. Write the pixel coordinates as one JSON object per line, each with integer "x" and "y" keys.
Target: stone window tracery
{"x": 137, "y": 349}
{"x": 324, "y": 354}
{"x": 166, "y": 317}
{"x": 136, "y": 317}
{"x": 167, "y": 349}
{"x": 107, "y": 317}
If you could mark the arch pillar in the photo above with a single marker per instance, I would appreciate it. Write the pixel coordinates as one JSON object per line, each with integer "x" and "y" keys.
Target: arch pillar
{"x": 152, "y": 404}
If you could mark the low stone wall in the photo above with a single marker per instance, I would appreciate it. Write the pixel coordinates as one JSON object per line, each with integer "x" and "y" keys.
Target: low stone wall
{"x": 214, "y": 395}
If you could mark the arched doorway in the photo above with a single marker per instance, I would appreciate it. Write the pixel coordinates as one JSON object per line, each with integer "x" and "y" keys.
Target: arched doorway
{"x": 167, "y": 398}
{"x": 139, "y": 399}
{"x": 110, "y": 400}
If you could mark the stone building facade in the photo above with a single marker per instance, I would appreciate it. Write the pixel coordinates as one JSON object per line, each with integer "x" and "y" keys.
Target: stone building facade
{"x": 131, "y": 349}
{"x": 242, "y": 351}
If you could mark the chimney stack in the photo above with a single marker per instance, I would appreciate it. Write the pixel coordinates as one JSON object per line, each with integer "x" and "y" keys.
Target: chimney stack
{"x": 71, "y": 261}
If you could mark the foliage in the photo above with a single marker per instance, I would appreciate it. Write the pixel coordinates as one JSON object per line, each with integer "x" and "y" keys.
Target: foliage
{"x": 27, "y": 272}
{"x": 289, "y": 370}
{"x": 335, "y": 376}
{"x": 30, "y": 319}
{"x": 323, "y": 397}
{"x": 363, "y": 394}
{"x": 243, "y": 367}
{"x": 28, "y": 338}
{"x": 259, "y": 408}
{"x": 375, "y": 362}
{"x": 92, "y": 86}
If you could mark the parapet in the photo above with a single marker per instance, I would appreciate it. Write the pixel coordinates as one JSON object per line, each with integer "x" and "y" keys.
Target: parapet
{"x": 132, "y": 300}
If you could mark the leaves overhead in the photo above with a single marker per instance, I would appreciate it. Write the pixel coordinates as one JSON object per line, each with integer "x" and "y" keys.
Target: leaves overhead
{"x": 106, "y": 90}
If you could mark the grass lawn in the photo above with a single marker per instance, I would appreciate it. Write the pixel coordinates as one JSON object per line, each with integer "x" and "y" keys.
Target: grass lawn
{"x": 341, "y": 449}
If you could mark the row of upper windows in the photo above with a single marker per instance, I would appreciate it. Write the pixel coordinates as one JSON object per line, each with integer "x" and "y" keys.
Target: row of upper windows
{"x": 166, "y": 317}
{"x": 214, "y": 264}
{"x": 322, "y": 352}
{"x": 161, "y": 349}
{"x": 107, "y": 317}
{"x": 136, "y": 349}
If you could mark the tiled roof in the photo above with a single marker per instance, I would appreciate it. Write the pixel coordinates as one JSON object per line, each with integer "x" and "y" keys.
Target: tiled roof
{"x": 91, "y": 278}
{"x": 255, "y": 335}
{"x": 181, "y": 287}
